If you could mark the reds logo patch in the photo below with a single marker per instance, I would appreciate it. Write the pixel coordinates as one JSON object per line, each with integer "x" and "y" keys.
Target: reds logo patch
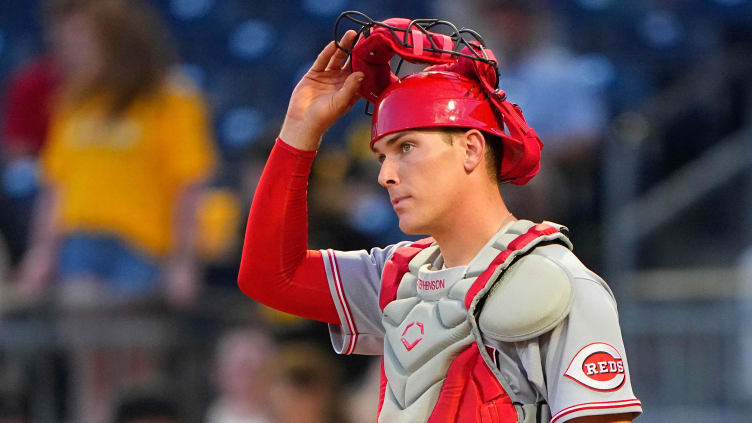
{"x": 598, "y": 367}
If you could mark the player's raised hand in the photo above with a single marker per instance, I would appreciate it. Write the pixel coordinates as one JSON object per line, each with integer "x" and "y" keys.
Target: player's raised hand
{"x": 325, "y": 93}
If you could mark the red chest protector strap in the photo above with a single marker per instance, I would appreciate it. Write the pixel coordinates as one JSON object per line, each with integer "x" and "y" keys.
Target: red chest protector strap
{"x": 396, "y": 267}
{"x": 519, "y": 243}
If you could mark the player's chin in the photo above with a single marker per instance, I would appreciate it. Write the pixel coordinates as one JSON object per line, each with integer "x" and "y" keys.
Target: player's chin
{"x": 410, "y": 226}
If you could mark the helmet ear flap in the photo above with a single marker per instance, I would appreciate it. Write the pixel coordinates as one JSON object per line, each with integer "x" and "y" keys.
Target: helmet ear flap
{"x": 521, "y": 160}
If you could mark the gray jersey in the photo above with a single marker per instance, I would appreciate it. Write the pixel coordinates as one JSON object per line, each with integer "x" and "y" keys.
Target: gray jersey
{"x": 579, "y": 368}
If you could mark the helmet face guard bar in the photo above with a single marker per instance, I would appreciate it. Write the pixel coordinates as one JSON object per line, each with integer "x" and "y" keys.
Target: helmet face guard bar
{"x": 461, "y": 37}
{"x": 459, "y": 89}
{"x": 416, "y": 41}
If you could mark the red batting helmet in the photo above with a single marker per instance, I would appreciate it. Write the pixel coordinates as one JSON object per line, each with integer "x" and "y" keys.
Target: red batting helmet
{"x": 457, "y": 91}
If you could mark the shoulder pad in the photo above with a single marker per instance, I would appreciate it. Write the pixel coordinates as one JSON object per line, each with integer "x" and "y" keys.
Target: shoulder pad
{"x": 532, "y": 297}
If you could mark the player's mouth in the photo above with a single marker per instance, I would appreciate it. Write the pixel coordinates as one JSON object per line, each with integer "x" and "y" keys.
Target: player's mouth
{"x": 396, "y": 201}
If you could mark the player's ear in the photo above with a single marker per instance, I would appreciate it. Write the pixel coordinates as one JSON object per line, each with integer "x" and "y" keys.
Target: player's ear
{"x": 475, "y": 148}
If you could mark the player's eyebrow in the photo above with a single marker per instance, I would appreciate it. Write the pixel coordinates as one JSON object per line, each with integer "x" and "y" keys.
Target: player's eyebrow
{"x": 392, "y": 140}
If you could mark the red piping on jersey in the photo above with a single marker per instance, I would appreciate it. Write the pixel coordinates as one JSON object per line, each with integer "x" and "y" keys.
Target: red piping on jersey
{"x": 276, "y": 267}
{"x": 343, "y": 301}
{"x": 596, "y": 406}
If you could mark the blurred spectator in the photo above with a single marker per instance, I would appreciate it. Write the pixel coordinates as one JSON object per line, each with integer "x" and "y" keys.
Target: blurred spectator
{"x": 128, "y": 149}
{"x": 26, "y": 114}
{"x": 127, "y": 152}
{"x": 539, "y": 72}
{"x": 305, "y": 386}
{"x": 564, "y": 105}
{"x": 27, "y": 104}
{"x": 561, "y": 101}
{"x": 362, "y": 406}
{"x": 241, "y": 359}
{"x": 145, "y": 406}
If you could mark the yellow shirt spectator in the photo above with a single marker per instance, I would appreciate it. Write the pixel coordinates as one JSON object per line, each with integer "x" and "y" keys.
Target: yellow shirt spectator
{"x": 121, "y": 176}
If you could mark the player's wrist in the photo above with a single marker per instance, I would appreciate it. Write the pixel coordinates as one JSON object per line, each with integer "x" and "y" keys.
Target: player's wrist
{"x": 301, "y": 137}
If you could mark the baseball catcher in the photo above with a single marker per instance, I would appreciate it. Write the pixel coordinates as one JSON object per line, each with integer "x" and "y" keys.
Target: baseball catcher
{"x": 491, "y": 318}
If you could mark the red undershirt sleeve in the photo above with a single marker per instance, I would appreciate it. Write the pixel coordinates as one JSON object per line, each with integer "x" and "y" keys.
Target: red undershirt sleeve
{"x": 276, "y": 267}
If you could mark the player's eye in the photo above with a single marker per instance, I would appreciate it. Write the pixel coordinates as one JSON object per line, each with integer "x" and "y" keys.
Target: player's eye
{"x": 381, "y": 158}
{"x": 406, "y": 147}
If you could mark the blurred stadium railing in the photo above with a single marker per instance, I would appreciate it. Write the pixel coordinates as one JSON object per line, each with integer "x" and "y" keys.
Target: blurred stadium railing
{"x": 685, "y": 315}
{"x": 36, "y": 344}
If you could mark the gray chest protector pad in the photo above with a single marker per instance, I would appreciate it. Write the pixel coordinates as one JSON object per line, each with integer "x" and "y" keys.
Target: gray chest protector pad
{"x": 531, "y": 298}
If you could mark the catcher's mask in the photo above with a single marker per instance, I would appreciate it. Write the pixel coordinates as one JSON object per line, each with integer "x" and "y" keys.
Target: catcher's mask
{"x": 457, "y": 90}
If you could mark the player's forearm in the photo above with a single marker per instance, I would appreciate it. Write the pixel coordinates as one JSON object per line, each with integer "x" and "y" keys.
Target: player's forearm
{"x": 276, "y": 267}
{"x": 300, "y": 136}
{"x": 277, "y": 226}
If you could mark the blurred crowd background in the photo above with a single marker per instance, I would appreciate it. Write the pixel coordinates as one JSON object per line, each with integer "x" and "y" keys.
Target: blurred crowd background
{"x": 133, "y": 133}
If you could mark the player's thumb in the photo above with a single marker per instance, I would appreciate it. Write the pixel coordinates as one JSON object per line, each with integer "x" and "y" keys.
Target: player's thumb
{"x": 348, "y": 94}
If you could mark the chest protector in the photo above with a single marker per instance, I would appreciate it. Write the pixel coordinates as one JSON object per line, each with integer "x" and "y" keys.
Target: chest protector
{"x": 436, "y": 367}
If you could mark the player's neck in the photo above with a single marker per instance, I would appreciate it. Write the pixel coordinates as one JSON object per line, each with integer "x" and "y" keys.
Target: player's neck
{"x": 470, "y": 229}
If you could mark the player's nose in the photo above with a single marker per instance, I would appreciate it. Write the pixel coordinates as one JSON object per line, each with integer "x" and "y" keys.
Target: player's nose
{"x": 388, "y": 173}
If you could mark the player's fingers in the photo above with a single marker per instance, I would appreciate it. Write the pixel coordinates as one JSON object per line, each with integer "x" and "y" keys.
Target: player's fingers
{"x": 348, "y": 94}
{"x": 354, "y": 42}
{"x": 323, "y": 58}
{"x": 346, "y": 66}
{"x": 338, "y": 58}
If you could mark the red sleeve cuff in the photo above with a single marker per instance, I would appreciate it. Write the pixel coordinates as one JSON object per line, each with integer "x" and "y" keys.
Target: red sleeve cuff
{"x": 298, "y": 152}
